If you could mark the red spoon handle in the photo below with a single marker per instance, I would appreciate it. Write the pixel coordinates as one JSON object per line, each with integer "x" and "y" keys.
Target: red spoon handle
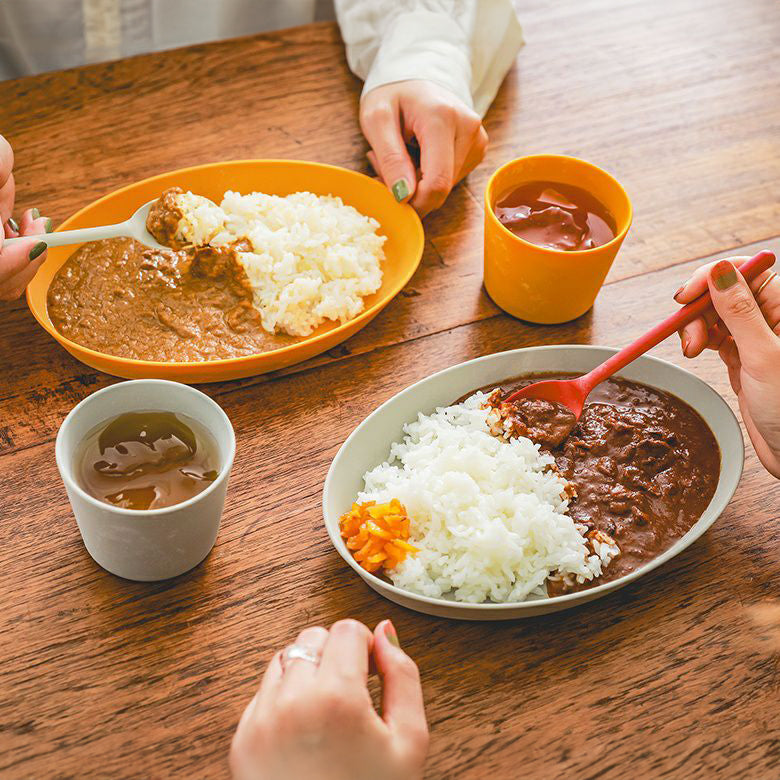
{"x": 750, "y": 269}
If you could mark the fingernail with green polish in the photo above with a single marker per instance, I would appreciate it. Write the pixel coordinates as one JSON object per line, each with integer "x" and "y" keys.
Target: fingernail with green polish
{"x": 724, "y": 275}
{"x": 34, "y": 213}
{"x": 13, "y": 224}
{"x": 391, "y": 634}
{"x": 38, "y": 250}
{"x": 400, "y": 189}
{"x": 49, "y": 225}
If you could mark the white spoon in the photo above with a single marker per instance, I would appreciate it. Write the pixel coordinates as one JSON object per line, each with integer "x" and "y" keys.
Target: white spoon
{"x": 135, "y": 227}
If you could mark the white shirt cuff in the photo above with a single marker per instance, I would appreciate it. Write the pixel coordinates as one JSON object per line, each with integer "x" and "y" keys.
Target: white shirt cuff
{"x": 423, "y": 45}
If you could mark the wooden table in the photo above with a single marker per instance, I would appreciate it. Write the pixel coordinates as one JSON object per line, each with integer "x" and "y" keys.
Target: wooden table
{"x": 669, "y": 677}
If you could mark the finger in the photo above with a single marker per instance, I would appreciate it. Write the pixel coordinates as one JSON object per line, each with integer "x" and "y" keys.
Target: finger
{"x": 769, "y": 298}
{"x": 272, "y": 679}
{"x": 7, "y": 188}
{"x": 16, "y": 260}
{"x": 13, "y": 285}
{"x": 468, "y": 139}
{"x": 729, "y": 353}
{"x": 7, "y": 193}
{"x": 730, "y": 356}
{"x": 697, "y": 284}
{"x": 32, "y": 223}
{"x": 437, "y": 149}
{"x": 372, "y": 159}
{"x": 693, "y": 338}
{"x": 403, "y": 708}
{"x": 269, "y": 685}
{"x": 718, "y": 334}
{"x": 475, "y": 156}
{"x": 757, "y": 283}
{"x": 381, "y": 125}
{"x": 16, "y": 285}
{"x": 298, "y": 672}
{"x": 695, "y": 335}
{"x": 734, "y": 302}
{"x": 346, "y": 652}
{"x": 10, "y": 229}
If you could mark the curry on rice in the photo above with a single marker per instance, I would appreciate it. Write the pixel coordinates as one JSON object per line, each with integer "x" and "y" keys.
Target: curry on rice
{"x": 256, "y": 273}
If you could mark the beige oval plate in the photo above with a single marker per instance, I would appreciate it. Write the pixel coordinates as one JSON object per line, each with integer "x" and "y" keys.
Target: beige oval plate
{"x": 369, "y": 444}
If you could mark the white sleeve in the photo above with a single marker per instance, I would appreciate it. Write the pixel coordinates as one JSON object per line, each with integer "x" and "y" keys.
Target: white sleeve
{"x": 466, "y": 46}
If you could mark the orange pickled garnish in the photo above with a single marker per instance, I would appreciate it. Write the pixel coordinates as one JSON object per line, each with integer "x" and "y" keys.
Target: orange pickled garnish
{"x": 377, "y": 534}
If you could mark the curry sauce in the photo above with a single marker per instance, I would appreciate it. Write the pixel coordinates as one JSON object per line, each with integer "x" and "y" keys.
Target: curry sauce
{"x": 124, "y": 299}
{"x": 641, "y": 464}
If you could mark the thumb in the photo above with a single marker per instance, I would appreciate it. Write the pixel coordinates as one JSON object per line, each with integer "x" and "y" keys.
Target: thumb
{"x": 403, "y": 709}
{"x": 16, "y": 258}
{"x": 736, "y": 306}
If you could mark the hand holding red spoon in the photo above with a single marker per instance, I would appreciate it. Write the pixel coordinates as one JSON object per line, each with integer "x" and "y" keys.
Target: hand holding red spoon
{"x": 572, "y": 393}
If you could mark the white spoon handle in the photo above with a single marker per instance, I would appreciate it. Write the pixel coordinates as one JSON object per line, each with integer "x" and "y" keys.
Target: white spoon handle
{"x": 65, "y": 237}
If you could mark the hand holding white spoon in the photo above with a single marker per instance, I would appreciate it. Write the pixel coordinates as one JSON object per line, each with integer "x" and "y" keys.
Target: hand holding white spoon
{"x": 135, "y": 227}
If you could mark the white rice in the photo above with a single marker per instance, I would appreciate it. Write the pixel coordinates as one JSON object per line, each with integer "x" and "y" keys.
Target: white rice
{"x": 488, "y": 515}
{"x": 202, "y": 219}
{"x": 313, "y": 257}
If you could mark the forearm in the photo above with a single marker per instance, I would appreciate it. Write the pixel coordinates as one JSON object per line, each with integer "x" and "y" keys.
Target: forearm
{"x": 466, "y": 46}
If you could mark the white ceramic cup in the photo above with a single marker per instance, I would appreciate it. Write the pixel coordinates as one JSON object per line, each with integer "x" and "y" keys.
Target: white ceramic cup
{"x": 153, "y": 544}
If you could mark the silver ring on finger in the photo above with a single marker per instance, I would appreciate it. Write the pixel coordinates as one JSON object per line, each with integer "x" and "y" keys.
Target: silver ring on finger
{"x": 299, "y": 652}
{"x": 766, "y": 281}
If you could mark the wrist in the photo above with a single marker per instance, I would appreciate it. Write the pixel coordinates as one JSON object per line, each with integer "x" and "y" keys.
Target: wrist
{"x": 402, "y": 87}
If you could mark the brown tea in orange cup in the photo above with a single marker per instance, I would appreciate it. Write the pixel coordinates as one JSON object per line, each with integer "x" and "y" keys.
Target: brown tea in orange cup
{"x": 553, "y": 226}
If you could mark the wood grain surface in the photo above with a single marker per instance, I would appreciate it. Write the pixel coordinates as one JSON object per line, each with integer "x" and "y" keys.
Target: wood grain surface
{"x": 671, "y": 677}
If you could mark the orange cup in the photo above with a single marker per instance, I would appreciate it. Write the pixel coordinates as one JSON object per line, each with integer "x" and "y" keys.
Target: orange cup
{"x": 536, "y": 283}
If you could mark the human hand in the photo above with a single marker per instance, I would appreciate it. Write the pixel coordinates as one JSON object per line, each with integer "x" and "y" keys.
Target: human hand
{"x": 18, "y": 263}
{"x": 746, "y": 333}
{"x": 317, "y": 721}
{"x": 450, "y": 135}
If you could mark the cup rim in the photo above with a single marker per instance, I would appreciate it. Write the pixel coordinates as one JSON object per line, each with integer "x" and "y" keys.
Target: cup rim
{"x": 616, "y": 239}
{"x": 65, "y": 465}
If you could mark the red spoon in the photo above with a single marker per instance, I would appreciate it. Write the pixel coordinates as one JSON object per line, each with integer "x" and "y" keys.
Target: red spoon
{"x": 573, "y": 392}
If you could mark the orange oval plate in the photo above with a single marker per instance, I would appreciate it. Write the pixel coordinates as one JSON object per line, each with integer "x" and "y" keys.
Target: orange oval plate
{"x": 403, "y": 251}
